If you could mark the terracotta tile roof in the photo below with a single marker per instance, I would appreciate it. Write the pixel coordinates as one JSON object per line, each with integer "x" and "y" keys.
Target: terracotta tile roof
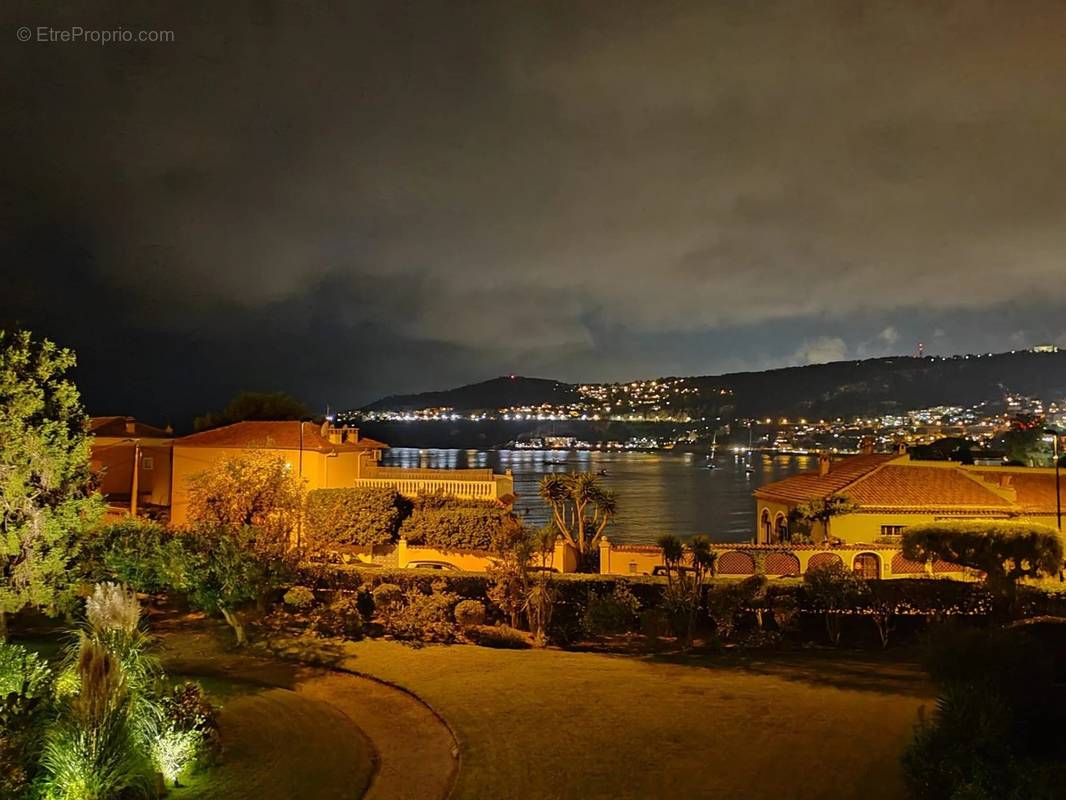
{"x": 116, "y": 426}
{"x": 895, "y": 485}
{"x": 891, "y": 483}
{"x": 273, "y": 435}
{"x": 1034, "y": 490}
{"x": 811, "y": 485}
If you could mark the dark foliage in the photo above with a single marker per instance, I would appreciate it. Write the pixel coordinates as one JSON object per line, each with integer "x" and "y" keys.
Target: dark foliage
{"x": 343, "y": 517}
{"x": 996, "y": 732}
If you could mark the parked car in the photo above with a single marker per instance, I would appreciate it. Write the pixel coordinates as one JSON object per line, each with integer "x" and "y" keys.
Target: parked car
{"x": 441, "y": 565}
{"x": 661, "y": 571}
{"x": 541, "y": 569}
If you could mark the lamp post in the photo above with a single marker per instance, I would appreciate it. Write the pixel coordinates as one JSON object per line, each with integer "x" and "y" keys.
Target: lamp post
{"x": 1058, "y": 489}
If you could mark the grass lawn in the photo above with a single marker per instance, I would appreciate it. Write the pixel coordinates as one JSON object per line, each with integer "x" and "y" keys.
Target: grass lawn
{"x": 552, "y": 724}
{"x": 280, "y": 744}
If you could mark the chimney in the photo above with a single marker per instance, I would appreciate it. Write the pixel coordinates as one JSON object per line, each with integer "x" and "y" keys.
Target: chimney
{"x": 341, "y": 435}
{"x": 823, "y": 463}
{"x": 131, "y": 425}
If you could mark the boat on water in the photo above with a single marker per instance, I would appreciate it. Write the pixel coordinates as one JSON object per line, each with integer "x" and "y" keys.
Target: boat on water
{"x": 711, "y": 455}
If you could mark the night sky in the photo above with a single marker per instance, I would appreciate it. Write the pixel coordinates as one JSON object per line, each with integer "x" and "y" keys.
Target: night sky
{"x": 367, "y": 198}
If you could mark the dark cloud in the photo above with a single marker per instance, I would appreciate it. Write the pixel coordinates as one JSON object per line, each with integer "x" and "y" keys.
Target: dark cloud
{"x": 347, "y": 201}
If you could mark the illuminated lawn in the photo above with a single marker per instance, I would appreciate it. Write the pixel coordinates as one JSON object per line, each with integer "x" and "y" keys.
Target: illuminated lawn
{"x": 551, "y": 724}
{"x": 280, "y": 744}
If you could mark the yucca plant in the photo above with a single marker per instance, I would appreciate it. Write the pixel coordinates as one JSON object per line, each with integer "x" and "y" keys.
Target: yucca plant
{"x": 539, "y": 604}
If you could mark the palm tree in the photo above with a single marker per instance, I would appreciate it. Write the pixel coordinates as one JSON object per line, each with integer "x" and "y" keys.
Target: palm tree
{"x": 580, "y": 508}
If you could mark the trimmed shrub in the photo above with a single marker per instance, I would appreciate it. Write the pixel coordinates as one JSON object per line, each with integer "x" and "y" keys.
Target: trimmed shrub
{"x": 341, "y": 619}
{"x": 344, "y": 517}
{"x": 503, "y": 637}
{"x": 469, "y": 613}
{"x": 467, "y": 526}
{"x": 299, "y": 598}
{"x": 1005, "y": 551}
{"x": 616, "y": 611}
{"x": 421, "y": 617}
{"x": 387, "y": 595}
{"x": 834, "y": 590}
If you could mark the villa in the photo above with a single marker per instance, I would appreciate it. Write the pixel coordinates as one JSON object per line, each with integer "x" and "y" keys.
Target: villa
{"x": 891, "y": 492}
{"x": 117, "y": 444}
{"x": 324, "y": 456}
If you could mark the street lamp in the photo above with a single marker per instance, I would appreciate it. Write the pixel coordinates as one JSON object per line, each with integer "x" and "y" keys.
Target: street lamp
{"x": 1058, "y": 489}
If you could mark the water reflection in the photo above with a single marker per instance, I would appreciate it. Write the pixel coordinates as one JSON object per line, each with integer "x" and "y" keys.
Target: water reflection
{"x": 660, "y": 492}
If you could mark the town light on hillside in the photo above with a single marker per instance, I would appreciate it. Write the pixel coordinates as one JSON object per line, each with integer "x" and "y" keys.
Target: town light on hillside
{"x": 1055, "y": 434}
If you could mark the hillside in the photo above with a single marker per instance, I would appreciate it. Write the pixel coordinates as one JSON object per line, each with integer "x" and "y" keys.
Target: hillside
{"x": 511, "y": 390}
{"x": 844, "y": 388}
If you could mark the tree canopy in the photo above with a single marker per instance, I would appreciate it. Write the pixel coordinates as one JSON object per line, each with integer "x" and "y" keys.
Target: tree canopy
{"x": 254, "y": 406}
{"x": 46, "y": 494}
{"x": 252, "y": 489}
{"x": 1004, "y": 550}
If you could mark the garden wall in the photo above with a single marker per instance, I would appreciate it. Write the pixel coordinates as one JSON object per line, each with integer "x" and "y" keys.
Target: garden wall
{"x": 742, "y": 560}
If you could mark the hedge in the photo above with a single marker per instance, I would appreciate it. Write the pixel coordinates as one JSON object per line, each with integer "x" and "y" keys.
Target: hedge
{"x": 364, "y": 516}
{"x": 902, "y": 596}
{"x": 462, "y": 528}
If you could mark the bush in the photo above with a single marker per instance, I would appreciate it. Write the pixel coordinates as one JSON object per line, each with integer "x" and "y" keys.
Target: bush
{"x": 728, "y": 602}
{"x": 616, "y": 611}
{"x": 22, "y": 672}
{"x": 654, "y": 623}
{"x": 187, "y": 732}
{"x": 386, "y": 596}
{"x": 1005, "y": 551}
{"x": 997, "y": 731}
{"x": 187, "y": 708}
{"x": 344, "y": 517}
{"x": 421, "y": 617}
{"x": 503, "y": 637}
{"x": 299, "y": 597}
{"x": 834, "y": 590}
{"x": 144, "y": 556}
{"x": 459, "y": 525}
{"x": 342, "y": 619}
{"x": 24, "y": 689}
{"x": 470, "y": 613}
{"x": 95, "y": 748}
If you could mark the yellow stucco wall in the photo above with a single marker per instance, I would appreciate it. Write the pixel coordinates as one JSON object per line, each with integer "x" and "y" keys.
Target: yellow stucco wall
{"x": 319, "y": 471}
{"x": 112, "y": 461}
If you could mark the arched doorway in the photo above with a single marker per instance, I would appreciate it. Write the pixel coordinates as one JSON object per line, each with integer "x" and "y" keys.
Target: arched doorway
{"x": 781, "y": 528}
{"x": 766, "y": 528}
{"x": 819, "y": 560}
{"x": 867, "y": 566}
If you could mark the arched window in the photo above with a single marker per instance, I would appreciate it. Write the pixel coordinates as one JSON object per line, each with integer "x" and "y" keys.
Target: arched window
{"x": 781, "y": 528}
{"x": 766, "y": 529}
{"x": 867, "y": 566}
